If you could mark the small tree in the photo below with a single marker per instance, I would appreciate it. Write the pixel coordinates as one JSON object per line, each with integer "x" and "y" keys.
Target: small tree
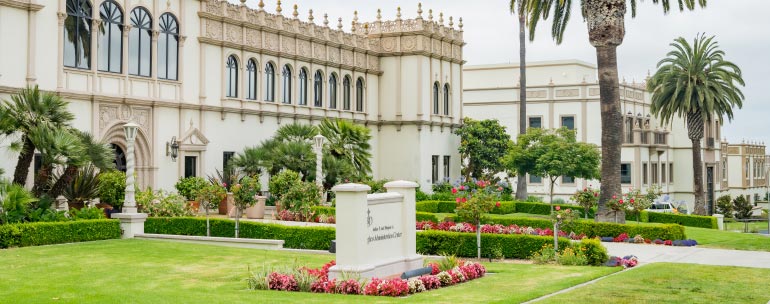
{"x": 560, "y": 218}
{"x": 209, "y": 197}
{"x": 586, "y": 198}
{"x": 742, "y": 207}
{"x": 300, "y": 199}
{"x": 482, "y": 145}
{"x": 637, "y": 201}
{"x": 725, "y": 206}
{"x": 245, "y": 196}
{"x": 473, "y": 205}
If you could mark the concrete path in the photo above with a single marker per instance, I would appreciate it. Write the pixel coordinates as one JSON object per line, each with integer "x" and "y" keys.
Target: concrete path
{"x": 693, "y": 255}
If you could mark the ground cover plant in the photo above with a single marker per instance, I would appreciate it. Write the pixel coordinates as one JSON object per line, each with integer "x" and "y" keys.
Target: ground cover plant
{"x": 170, "y": 272}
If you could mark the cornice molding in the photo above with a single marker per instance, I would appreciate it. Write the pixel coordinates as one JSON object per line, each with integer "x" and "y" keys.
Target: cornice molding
{"x": 22, "y": 4}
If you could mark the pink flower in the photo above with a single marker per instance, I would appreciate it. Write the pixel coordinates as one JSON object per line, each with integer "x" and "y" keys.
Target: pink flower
{"x": 458, "y": 199}
{"x": 614, "y": 197}
{"x": 224, "y": 185}
{"x": 499, "y": 188}
{"x": 596, "y": 194}
{"x": 497, "y": 205}
{"x": 558, "y": 208}
{"x": 632, "y": 200}
{"x": 464, "y": 200}
{"x": 454, "y": 190}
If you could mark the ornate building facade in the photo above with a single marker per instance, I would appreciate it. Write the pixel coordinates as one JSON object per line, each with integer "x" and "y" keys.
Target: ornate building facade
{"x": 216, "y": 77}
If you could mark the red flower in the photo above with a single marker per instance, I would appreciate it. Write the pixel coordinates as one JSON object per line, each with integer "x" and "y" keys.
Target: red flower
{"x": 497, "y": 205}
{"x": 499, "y": 188}
{"x": 458, "y": 199}
{"x": 632, "y": 201}
{"x": 224, "y": 185}
{"x": 454, "y": 190}
{"x": 464, "y": 200}
{"x": 614, "y": 197}
{"x": 558, "y": 208}
{"x": 596, "y": 194}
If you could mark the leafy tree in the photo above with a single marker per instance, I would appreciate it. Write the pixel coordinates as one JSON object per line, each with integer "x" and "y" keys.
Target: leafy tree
{"x": 725, "y": 206}
{"x": 606, "y": 29}
{"x": 209, "y": 197}
{"x": 482, "y": 145}
{"x": 742, "y": 207}
{"x": 350, "y": 142}
{"x": 695, "y": 81}
{"x": 473, "y": 205}
{"x": 245, "y": 195}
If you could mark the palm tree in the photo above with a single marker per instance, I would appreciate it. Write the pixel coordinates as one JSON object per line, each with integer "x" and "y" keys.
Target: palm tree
{"x": 97, "y": 153}
{"x": 520, "y": 6}
{"x": 606, "y": 29}
{"x": 55, "y": 146}
{"x": 296, "y": 132}
{"x": 350, "y": 142}
{"x": 25, "y": 110}
{"x": 696, "y": 81}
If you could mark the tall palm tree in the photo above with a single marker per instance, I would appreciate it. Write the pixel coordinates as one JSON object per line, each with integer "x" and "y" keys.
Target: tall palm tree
{"x": 27, "y": 109}
{"x": 97, "y": 153}
{"x": 520, "y": 7}
{"x": 350, "y": 142}
{"x": 606, "y": 29}
{"x": 695, "y": 81}
{"x": 56, "y": 145}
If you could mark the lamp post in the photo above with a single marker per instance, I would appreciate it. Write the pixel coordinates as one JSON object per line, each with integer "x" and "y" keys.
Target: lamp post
{"x": 318, "y": 145}
{"x": 129, "y": 204}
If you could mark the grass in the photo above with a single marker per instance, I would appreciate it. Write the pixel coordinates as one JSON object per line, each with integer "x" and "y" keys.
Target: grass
{"x": 728, "y": 240}
{"x": 675, "y": 283}
{"x": 753, "y": 226}
{"x": 147, "y": 271}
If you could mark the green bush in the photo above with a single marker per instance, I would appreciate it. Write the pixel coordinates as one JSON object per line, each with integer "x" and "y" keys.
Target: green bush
{"x": 464, "y": 244}
{"x": 35, "y": 234}
{"x": 725, "y": 206}
{"x": 189, "y": 186}
{"x": 281, "y": 182}
{"x": 87, "y": 214}
{"x": 593, "y": 250}
{"x": 318, "y": 238}
{"x": 682, "y": 219}
{"x": 420, "y": 216}
{"x": 505, "y": 208}
{"x": 426, "y": 216}
{"x": 112, "y": 188}
{"x": 301, "y": 198}
{"x": 163, "y": 204}
{"x": 442, "y": 196}
{"x": 323, "y": 210}
{"x": 427, "y": 206}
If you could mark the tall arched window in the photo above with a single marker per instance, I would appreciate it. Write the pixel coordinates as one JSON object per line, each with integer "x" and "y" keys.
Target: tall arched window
{"x": 435, "y": 97}
{"x": 110, "y": 37}
{"x": 333, "y": 91}
{"x": 251, "y": 79}
{"x": 77, "y": 34}
{"x": 269, "y": 82}
{"x": 232, "y": 76}
{"x": 318, "y": 81}
{"x": 303, "y": 87}
{"x": 139, "y": 43}
{"x": 446, "y": 99}
{"x": 346, "y": 93}
{"x": 360, "y": 94}
{"x": 286, "y": 84}
{"x": 168, "y": 47}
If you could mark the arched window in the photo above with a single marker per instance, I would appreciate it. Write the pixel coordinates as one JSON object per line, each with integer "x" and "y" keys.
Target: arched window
{"x": 435, "y": 98}
{"x": 446, "y": 99}
{"x": 286, "y": 84}
{"x": 269, "y": 82}
{"x": 251, "y": 80}
{"x": 360, "y": 94}
{"x": 232, "y": 76}
{"x": 139, "y": 42}
{"x": 318, "y": 81}
{"x": 333, "y": 91}
{"x": 77, "y": 34}
{"x": 303, "y": 87}
{"x": 110, "y": 37}
{"x": 346, "y": 93}
{"x": 168, "y": 47}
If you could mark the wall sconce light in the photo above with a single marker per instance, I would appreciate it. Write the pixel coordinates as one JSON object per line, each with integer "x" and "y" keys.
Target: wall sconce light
{"x": 172, "y": 149}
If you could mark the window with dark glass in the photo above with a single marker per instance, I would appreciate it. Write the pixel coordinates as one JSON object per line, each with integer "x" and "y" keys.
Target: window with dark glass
{"x": 269, "y": 82}
{"x": 654, "y": 173}
{"x": 318, "y": 89}
{"x": 360, "y": 94}
{"x": 286, "y": 72}
{"x": 434, "y": 169}
{"x": 446, "y": 99}
{"x": 77, "y": 34}
{"x": 625, "y": 173}
{"x": 446, "y": 167}
{"x": 226, "y": 157}
{"x": 663, "y": 173}
{"x": 435, "y": 97}
{"x": 168, "y": 47}
{"x": 251, "y": 79}
{"x": 346, "y": 93}
{"x": 567, "y": 179}
{"x": 670, "y": 172}
{"x": 534, "y": 179}
{"x": 535, "y": 122}
{"x": 568, "y": 122}
{"x": 190, "y": 166}
{"x": 644, "y": 174}
{"x": 303, "y": 87}
{"x": 139, "y": 43}
{"x": 232, "y": 76}
{"x": 110, "y": 37}
{"x": 333, "y": 91}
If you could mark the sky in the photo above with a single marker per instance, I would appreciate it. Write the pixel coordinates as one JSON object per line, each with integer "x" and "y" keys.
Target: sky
{"x": 741, "y": 27}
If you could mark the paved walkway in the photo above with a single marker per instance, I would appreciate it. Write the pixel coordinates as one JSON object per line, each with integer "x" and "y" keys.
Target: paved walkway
{"x": 692, "y": 255}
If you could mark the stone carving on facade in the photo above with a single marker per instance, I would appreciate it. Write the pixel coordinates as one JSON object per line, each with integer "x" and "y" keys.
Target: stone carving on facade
{"x": 388, "y": 44}
{"x": 214, "y": 7}
{"x": 425, "y": 44}
{"x": 408, "y": 43}
{"x": 319, "y": 51}
{"x": 334, "y": 56}
{"x": 109, "y": 114}
{"x": 436, "y": 46}
{"x": 536, "y": 94}
{"x": 568, "y": 93}
{"x": 271, "y": 41}
{"x": 447, "y": 49}
{"x": 304, "y": 48}
{"x": 287, "y": 45}
{"x": 347, "y": 57}
{"x": 253, "y": 38}
{"x": 214, "y": 29}
{"x": 374, "y": 63}
{"x": 233, "y": 11}
{"x": 360, "y": 60}
{"x": 270, "y": 21}
{"x": 374, "y": 45}
{"x": 234, "y": 33}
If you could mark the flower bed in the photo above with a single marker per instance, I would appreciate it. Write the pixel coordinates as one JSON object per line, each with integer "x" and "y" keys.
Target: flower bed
{"x": 624, "y": 238}
{"x": 626, "y": 261}
{"x": 317, "y": 280}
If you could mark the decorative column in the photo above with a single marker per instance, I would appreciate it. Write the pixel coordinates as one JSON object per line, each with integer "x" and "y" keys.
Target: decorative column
{"x": 131, "y": 222}
{"x": 318, "y": 145}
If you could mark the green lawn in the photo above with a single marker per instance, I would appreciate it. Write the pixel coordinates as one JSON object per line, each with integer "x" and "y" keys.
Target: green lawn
{"x": 146, "y": 271}
{"x": 728, "y": 240}
{"x": 675, "y": 283}
{"x": 753, "y": 226}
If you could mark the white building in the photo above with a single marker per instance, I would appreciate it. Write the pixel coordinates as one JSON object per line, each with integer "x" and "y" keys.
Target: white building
{"x": 218, "y": 77}
{"x": 745, "y": 170}
{"x": 566, "y": 93}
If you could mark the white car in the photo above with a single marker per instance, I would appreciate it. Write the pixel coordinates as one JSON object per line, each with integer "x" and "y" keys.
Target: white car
{"x": 663, "y": 207}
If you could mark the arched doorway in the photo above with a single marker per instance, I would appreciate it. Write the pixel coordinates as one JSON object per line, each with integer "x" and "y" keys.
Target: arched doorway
{"x": 120, "y": 158}
{"x": 116, "y": 136}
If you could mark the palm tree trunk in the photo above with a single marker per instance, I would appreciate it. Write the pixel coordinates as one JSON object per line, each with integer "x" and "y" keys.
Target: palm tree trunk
{"x": 22, "y": 164}
{"x": 612, "y": 122}
{"x": 695, "y": 132}
{"x": 41, "y": 180}
{"x": 64, "y": 180}
{"x": 521, "y": 187}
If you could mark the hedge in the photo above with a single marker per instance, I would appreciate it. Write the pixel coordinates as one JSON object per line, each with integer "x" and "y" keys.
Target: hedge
{"x": 682, "y": 219}
{"x": 545, "y": 209}
{"x": 47, "y": 233}
{"x": 294, "y": 237}
{"x": 421, "y": 216}
{"x": 426, "y": 216}
{"x": 516, "y": 246}
{"x": 319, "y": 210}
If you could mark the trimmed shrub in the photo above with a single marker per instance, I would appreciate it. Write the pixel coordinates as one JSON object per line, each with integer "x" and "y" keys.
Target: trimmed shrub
{"x": 595, "y": 253}
{"x": 682, "y": 219}
{"x": 464, "y": 244}
{"x": 421, "y": 216}
{"x": 323, "y": 210}
{"x": 427, "y": 206}
{"x": 42, "y": 233}
{"x": 112, "y": 188}
{"x": 446, "y": 207}
{"x": 425, "y": 216}
{"x": 505, "y": 208}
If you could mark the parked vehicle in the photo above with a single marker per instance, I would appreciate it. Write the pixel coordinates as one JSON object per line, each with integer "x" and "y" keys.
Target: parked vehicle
{"x": 663, "y": 207}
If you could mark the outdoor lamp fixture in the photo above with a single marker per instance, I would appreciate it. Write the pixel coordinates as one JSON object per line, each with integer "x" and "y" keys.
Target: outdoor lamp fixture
{"x": 130, "y": 129}
{"x": 318, "y": 141}
{"x": 318, "y": 145}
{"x": 172, "y": 149}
